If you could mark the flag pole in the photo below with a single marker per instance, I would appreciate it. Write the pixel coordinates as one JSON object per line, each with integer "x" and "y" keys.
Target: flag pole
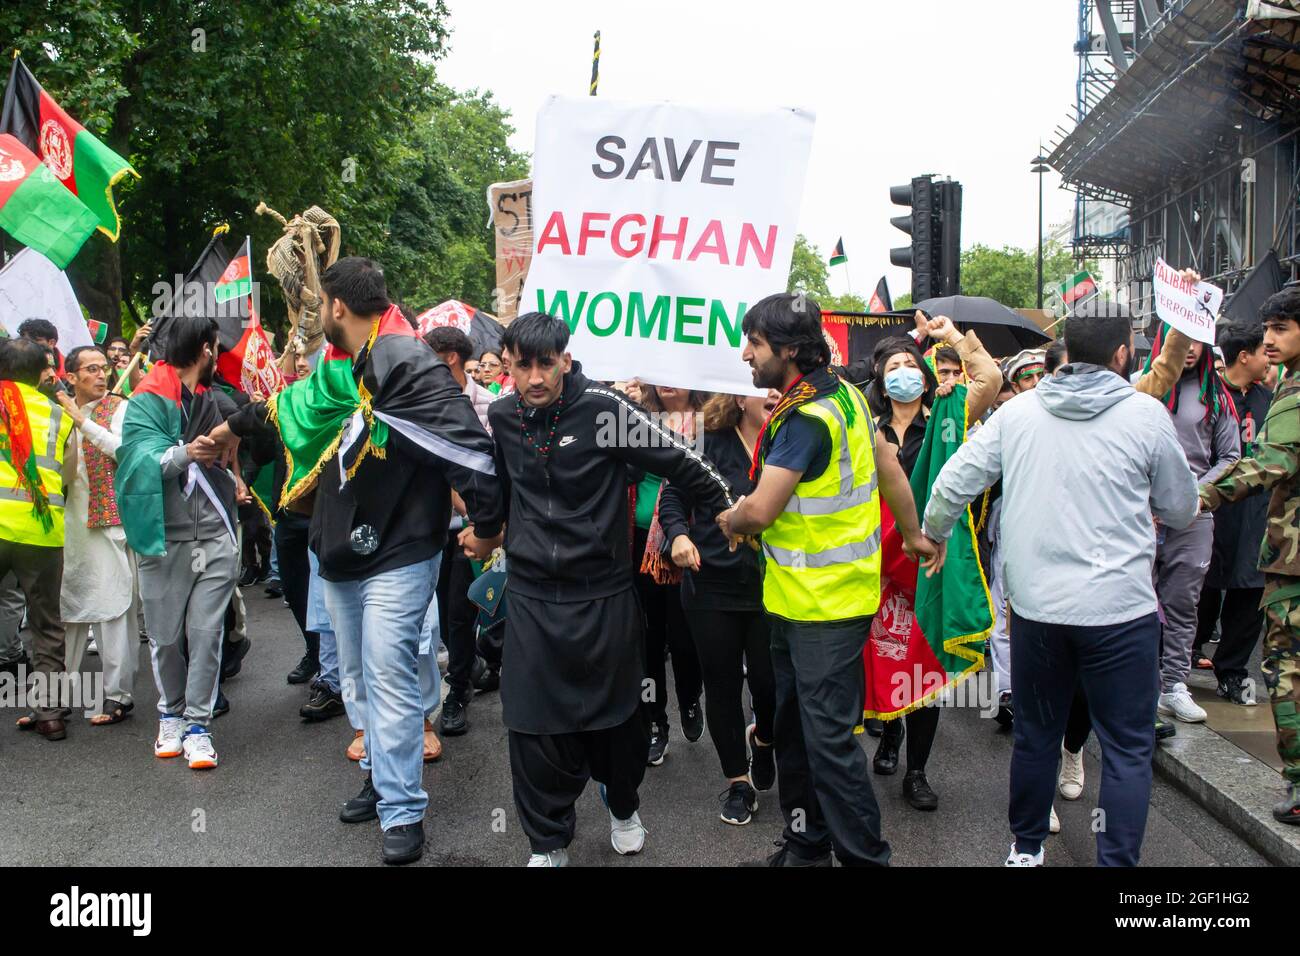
{"x": 847, "y": 280}
{"x": 595, "y": 64}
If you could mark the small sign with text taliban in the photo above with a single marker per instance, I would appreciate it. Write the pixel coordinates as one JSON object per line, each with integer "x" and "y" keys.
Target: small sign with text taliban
{"x": 656, "y": 226}
{"x": 1189, "y": 307}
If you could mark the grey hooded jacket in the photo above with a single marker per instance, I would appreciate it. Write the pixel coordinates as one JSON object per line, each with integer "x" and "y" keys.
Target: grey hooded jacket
{"x": 1085, "y": 463}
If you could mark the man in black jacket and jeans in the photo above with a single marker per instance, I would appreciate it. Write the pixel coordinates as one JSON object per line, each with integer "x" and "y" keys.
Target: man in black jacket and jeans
{"x": 572, "y": 670}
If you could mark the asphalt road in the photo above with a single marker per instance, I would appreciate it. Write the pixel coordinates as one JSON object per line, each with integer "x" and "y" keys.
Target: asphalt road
{"x": 101, "y": 798}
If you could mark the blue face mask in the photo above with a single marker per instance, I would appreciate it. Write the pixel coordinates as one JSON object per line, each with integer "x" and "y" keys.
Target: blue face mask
{"x": 905, "y": 384}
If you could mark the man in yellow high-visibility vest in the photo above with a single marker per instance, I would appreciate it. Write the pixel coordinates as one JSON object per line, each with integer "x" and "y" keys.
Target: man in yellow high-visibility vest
{"x": 817, "y": 507}
{"x": 31, "y": 519}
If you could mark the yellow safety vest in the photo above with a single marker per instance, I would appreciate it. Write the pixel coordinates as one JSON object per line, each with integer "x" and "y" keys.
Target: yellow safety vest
{"x": 50, "y": 429}
{"x": 823, "y": 551}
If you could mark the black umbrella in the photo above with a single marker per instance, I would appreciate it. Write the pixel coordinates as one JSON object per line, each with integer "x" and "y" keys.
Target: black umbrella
{"x": 1001, "y": 330}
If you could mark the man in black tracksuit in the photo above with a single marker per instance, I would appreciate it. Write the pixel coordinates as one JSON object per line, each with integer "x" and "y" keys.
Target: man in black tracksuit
{"x": 572, "y": 668}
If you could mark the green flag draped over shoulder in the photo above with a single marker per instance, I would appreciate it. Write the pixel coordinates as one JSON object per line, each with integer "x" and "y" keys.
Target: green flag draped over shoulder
{"x": 152, "y": 426}
{"x": 312, "y": 414}
{"x": 953, "y": 608}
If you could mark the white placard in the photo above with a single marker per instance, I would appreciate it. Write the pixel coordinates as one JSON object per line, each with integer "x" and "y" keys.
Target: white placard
{"x": 33, "y": 287}
{"x": 655, "y": 225}
{"x": 1190, "y": 308}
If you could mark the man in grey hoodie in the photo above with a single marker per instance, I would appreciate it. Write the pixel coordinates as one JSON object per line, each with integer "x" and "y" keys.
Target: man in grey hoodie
{"x": 1105, "y": 459}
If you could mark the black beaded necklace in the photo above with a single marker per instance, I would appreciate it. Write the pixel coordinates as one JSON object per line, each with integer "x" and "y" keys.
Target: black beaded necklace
{"x": 544, "y": 449}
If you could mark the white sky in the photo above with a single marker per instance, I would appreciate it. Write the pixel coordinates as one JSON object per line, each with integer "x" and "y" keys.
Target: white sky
{"x": 900, "y": 88}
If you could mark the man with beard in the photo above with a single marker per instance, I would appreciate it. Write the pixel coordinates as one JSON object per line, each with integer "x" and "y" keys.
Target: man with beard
{"x": 572, "y": 673}
{"x": 816, "y": 505}
{"x": 383, "y": 433}
{"x": 177, "y": 505}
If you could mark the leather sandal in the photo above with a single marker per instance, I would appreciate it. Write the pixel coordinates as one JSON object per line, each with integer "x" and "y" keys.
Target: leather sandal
{"x": 357, "y": 749}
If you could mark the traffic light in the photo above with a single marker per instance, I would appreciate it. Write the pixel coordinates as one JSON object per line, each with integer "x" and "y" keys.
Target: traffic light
{"x": 920, "y": 256}
{"x": 934, "y": 255}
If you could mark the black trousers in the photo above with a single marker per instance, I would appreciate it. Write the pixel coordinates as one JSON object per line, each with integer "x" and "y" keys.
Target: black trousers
{"x": 295, "y": 571}
{"x": 665, "y": 625}
{"x": 734, "y": 646}
{"x": 456, "y": 617}
{"x": 257, "y": 537}
{"x": 1078, "y": 724}
{"x": 922, "y": 726}
{"x": 550, "y": 771}
{"x": 822, "y": 772}
{"x": 1241, "y": 622}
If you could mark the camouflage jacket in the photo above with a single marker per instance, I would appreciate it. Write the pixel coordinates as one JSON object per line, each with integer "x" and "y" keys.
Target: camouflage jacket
{"x": 1275, "y": 463}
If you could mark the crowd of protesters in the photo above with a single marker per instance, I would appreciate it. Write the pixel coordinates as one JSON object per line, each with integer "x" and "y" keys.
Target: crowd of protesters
{"x": 742, "y": 546}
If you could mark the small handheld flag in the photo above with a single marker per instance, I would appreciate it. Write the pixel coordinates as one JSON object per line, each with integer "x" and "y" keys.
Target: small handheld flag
{"x": 98, "y": 330}
{"x": 1078, "y": 286}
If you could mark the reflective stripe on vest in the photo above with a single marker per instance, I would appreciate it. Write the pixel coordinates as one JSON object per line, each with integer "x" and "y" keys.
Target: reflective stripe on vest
{"x": 50, "y": 429}
{"x": 823, "y": 551}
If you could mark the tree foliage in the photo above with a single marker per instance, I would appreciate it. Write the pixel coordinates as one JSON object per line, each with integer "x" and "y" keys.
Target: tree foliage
{"x": 809, "y": 273}
{"x": 1009, "y": 275}
{"x": 312, "y": 102}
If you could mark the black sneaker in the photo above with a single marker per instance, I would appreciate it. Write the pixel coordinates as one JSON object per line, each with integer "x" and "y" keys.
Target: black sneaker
{"x": 307, "y": 668}
{"x": 232, "y": 661}
{"x": 885, "y": 761}
{"x": 322, "y": 705}
{"x": 874, "y": 726}
{"x": 1233, "y": 688}
{"x": 1165, "y": 729}
{"x": 739, "y": 801}
{"x": 404, "y": 844}
{"x": 364, "y": 806}
{"x": 917, "y": 792}
{"x": 489, "y": 680}
{"x": 221, "y": 707}
{"x": 454, "y": 722}
{"x": 787, "y": 857}
{"x": 658, "y": 745}
{"x": 274, "y": 588}
{"x": 1288, "y": 809}
{"x": 693, "y": 722}
{"x": 248, "y": 577}
{"x": 762, "y": 761}
{"x": 1006, "y": 715}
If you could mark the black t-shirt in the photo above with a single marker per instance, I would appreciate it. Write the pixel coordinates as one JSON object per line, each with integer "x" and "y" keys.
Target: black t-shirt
{"x": 913, "y": 438}
{"x": 801, "y": 444}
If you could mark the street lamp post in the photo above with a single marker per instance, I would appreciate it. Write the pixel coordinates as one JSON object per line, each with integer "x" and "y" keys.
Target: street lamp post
{"x": 1040, "y": 166}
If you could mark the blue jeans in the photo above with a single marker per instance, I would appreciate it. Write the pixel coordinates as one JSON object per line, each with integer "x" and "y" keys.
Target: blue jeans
{"x": 1116, "y": 665}
{"x": 377, "y": 621}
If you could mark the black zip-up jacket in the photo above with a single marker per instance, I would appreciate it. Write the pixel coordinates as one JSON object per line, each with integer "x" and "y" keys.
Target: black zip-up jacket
{"x": 404, "y": 496}
{"x": 727, "y": 580}
{"x": 567, "y": 521}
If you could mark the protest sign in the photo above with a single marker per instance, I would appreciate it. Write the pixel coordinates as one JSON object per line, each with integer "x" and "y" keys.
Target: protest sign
{"x": 1191, "y": 308}
{"x": 33, "y": 287}
{"x": 656, "y": 226}
{"x": 512, "y": 225}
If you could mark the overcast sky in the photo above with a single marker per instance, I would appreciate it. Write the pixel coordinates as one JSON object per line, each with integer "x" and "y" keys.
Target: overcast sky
{"x": 949, "y": 87}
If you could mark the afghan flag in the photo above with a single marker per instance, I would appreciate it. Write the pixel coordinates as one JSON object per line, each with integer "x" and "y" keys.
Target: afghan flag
{"x": 880, "y": 300}
{"x": 237, "y": 278}
{"x": 36, "y": 210}
{"x": 152, "y": 427}
{"x": 98, "y": 330}
{"x": 16, "y": 451}
{"x": 1078, "y": 286}
{"x": 927, "y": 635}
{"x": 76, "y": 157}
{"x": 838, "y": 257}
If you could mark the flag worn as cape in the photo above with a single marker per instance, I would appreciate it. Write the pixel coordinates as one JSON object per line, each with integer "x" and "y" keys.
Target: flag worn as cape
{"x": 928, "y": 633}
{"x": 84, "y": 165}
{"x": 36, "y": 210}
{"x": 314, "y": 413}
{"x": 151, "y": 428}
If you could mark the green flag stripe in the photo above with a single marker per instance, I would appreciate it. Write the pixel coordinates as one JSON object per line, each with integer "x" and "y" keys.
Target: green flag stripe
{"x": 42, "y": 214}
{"x": 97, "y": 168}
{"x": 230, "y": 290}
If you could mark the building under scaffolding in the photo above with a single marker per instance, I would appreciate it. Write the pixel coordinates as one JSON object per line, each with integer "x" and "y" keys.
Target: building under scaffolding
{"x": 1184, "y": 141}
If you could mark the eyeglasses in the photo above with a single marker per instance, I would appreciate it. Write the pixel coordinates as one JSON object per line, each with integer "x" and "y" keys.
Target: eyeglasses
{"x": 489, "y": 364}
{"x": 92, "y": 369}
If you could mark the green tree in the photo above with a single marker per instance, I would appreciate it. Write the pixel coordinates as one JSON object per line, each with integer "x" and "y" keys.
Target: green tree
{"x": 221, "y": 105}
{"x": 1009, "y": 275}
{"x": 808, "y": 270}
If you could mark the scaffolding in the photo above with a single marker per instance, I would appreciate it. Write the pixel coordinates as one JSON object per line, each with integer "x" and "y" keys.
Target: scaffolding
{"x": 1193, "y": 133}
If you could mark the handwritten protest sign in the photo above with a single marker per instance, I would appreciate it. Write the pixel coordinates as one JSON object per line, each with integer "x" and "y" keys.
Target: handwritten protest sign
{"x": 512, "y": 224}
{"x": 1189, "y": 307}
{"x": 655, "y": 226}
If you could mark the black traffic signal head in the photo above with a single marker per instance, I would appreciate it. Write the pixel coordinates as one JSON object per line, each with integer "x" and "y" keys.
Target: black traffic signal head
{"x": 923, "y": 253}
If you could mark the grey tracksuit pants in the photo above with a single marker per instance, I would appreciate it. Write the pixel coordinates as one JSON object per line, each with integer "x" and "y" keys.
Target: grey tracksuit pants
{"x": 1182, "y": 560}
{"x": 185, "y": 595}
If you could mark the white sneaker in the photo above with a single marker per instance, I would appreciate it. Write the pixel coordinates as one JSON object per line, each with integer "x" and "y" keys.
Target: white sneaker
{"x": 1024, "y": 859}
{"x": 1070, "y": 780}
{"x": 558, "y": 857}
{"x": 199, "y": 751}
{"x": 1053, "y": 822}
{"x": 1178, "y": 703}
{"x": 168, "y": 743}
{"x": 92, "y": 647}
{"x": 627, "y": 836}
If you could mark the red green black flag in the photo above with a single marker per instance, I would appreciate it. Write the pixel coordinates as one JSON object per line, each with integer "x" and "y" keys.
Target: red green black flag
{"x": 36, "y": 210}
{"x": 75, "y": 156}
{"x": 880, "y": 300}
{"x": 838, "y": 256}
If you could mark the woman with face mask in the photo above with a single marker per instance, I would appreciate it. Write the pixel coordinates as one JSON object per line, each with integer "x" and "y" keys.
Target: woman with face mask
{"x": 901, "y": 392}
